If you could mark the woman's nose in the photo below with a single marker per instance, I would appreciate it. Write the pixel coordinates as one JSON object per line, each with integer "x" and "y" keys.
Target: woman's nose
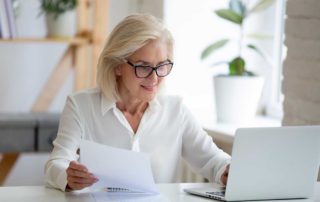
{"x": 153, "y": 76}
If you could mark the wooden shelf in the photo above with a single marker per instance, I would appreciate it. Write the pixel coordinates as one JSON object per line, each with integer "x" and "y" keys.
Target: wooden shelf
{"x": 70, "y": 41}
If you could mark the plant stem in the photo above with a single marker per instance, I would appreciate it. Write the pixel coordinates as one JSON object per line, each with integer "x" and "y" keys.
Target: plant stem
{"x": 241, "y": 34}
{"x": 240, "y": 39}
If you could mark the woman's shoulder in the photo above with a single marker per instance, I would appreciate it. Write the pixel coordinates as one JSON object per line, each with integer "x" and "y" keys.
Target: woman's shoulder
{"x": 92, "y": 95}
{"x": 86, "y": 92}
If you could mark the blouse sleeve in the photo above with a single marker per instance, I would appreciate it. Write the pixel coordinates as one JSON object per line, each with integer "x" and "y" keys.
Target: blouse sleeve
{"x": 199, "y": 150}
{"x": 66, "y": 145}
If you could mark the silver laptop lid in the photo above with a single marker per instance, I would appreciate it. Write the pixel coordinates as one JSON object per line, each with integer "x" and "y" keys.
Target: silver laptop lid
{"x": 274, "y": 163}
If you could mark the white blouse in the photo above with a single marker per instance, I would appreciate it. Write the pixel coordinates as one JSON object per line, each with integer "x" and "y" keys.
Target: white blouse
{"x": 167, "y": 131}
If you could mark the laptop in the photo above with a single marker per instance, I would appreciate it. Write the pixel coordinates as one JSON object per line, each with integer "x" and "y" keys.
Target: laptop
{"x": 270, "y": 163}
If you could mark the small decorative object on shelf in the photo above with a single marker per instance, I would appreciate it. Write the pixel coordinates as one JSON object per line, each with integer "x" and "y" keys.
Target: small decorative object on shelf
{"x": 8, "y": 12}
{"x": 60, "y": 17}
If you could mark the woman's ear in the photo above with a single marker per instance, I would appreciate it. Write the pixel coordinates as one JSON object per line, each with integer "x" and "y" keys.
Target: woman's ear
{"x": 118, "y": 70}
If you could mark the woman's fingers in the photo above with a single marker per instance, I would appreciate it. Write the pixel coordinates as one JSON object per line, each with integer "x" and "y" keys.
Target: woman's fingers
{"x": 79, "y": 177}
{"x": 77, "y": 186}
{"x": 224, "y": 177}
{"x": 78, "y": 173}
{"x": 77, "y": 166}
{"x": 81, "y": 180}
{"x": 76, "y": 183}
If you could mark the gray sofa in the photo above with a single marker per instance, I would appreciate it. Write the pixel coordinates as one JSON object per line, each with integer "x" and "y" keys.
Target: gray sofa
{"x": 27, "y": 132}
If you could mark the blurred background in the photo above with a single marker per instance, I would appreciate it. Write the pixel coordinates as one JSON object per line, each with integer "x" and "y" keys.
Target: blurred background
{"x": 37, "y": 72}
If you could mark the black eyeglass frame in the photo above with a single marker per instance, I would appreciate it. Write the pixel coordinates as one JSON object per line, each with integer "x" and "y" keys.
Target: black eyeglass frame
{"x": 135, "y": 66}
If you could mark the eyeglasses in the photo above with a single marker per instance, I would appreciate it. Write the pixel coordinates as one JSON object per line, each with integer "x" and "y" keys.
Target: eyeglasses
{"x": 144, "y": 71}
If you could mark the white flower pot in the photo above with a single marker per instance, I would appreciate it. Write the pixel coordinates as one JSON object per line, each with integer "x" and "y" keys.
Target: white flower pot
{"x": 237, "y": 97}
{"x": 65, "y": 25}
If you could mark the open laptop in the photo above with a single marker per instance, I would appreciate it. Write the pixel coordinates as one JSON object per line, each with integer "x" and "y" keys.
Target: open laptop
{"x": 270, "y": 163}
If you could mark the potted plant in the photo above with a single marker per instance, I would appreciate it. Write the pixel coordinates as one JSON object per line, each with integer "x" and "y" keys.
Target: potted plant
{"x": 60, "y": 17}
{"x": 237, "y": 93}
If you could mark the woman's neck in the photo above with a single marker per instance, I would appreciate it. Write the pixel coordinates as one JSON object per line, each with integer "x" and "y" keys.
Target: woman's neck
{"x": 132, "y": 106}
{"x": 133, "y": 111}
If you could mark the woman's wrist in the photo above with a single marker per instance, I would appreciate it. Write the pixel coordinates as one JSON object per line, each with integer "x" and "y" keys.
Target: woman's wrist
{"x": 68, "y": 188}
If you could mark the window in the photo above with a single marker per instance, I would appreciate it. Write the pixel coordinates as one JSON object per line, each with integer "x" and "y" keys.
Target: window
{"x": 274, "y": 106}
{"x": 194, "y": 27}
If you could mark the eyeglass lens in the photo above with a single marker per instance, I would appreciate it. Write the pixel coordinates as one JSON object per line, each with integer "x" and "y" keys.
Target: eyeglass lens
{"x": 161, "y": 70}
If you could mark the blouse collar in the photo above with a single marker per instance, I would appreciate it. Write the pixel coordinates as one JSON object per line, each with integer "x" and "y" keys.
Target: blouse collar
{"x": 107, "y": 104}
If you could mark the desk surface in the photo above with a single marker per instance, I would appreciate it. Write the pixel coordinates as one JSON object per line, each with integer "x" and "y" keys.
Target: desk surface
{"x": 169, "y": 192}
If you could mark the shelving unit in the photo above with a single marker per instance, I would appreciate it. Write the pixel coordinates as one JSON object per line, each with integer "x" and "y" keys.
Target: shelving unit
{"x": 81, "y": 55}
{"x": 76, "y": 41}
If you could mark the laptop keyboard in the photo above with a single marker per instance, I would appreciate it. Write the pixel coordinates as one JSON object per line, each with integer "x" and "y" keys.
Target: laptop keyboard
{"x": 217, "y": 193}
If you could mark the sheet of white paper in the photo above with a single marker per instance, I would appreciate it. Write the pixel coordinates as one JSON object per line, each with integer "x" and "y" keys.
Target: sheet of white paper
{"x": 116, "y": 167}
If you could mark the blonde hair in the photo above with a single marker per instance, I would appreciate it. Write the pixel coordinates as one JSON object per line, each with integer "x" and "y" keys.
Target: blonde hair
{"x": 132, "y": 33}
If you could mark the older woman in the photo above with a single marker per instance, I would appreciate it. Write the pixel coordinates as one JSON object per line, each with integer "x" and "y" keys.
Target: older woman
{"x": 126, "y": 111}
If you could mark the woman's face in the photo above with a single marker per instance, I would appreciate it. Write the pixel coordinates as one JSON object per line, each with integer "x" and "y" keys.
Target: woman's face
{"x": 142, "y": 89}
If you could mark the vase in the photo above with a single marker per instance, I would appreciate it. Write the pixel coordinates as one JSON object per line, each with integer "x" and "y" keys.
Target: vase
{"x": 64, "y": 25}
{"x": 237, "y": 97}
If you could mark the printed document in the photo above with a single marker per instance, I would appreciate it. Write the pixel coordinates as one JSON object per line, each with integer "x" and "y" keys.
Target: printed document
{"x": 118, "y": 170}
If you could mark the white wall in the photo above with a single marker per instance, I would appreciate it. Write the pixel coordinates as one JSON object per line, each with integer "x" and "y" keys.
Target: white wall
{"x": 118, "y": 9}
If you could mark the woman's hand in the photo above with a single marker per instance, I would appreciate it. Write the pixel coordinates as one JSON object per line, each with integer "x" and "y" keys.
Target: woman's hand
{"x": 224, "y": 176}
{"x": 79, "y": 177}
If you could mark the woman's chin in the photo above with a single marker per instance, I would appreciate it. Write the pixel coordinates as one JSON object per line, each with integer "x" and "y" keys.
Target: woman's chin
{"x": 149, "y": 93}
{"x": 147, "y": 97}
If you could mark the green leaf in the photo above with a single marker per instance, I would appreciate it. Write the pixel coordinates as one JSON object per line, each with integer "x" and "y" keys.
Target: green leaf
{"x": 57, "y": 7}
{"x": 215, "y": 46}
{"x": 261, "y": 5}
{"x": 230, "y": 15}
{"x": 238, "y": 7}
{"x": 257, "y": 50}
{"x": 237, "y": 66}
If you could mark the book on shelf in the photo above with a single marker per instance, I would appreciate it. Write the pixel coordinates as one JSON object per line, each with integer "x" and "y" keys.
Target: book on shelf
{"x": 5, "y": 33}
{"x": 11, "y": 18}
{"x": 0, "y": 31}
{"x": 7, "y": 20}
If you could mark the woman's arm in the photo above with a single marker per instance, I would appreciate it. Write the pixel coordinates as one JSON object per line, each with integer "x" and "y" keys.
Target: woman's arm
{"x": 66, "y": 145}
{"x": 199, "y": 150}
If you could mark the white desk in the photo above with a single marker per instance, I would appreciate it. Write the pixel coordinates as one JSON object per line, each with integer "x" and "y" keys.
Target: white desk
{"x": 169, "y": 192}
